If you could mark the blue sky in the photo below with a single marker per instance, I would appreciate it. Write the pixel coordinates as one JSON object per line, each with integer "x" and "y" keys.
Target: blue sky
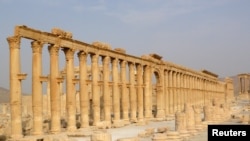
{"x": 198, "y": 34}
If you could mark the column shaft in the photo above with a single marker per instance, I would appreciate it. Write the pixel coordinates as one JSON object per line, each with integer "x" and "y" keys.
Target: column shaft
{"x": 171, "y": 96}
{"x": 106, "y": 90}
{"x": 148, "y": 92}
{"x": 139, "y": 92}
{"x": 124, "y": 91}
{"x": 84, "y": 96}
{"x": 15, "y": 88}
{"x": 116, "y": 93}
{"x": 160, "y": 97}
{"x": 166, "y": 76}
{"x": 37, "y": 102}
{"x": 70, "y": 89}
{"x": 54, "y": 90}
{"x": 175, "y": 91}
{"x": 48, "y": 98}
{"x": 95, "y": 92}
{"x": 132, "y": 92}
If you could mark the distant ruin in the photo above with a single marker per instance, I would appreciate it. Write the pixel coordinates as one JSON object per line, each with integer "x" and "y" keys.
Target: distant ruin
{"x": 114, "y": 93}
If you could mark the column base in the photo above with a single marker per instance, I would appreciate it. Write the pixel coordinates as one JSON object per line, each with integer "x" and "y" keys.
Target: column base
{"x": 148, "y": 114}
{"x": 141, "y": 122}
{"x": 126, "y": 121}
{"x": 117, "y": 123}
{"x": 160, "y": 115}
{"x": 104, "y": 124}
{"x": 85, "y": 132}
{"x": 169, "y": 117}
{"x": 37, "y": 133}
{"x": 55, "y": 131}
{"x": 133, "y": 120}
{"x": 71, "y": 129}
{"x": 84, "y": 125}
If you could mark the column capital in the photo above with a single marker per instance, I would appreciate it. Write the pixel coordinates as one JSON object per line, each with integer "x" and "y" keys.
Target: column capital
{"x": 123, "y": 63}
{"x": 94, "y": 58}
{"x": 14, "y": 42}
{"x": 138, "y": 65}
{"x": 106, "y": 59}
{"x": 82, "y": 55}
{"x": 114, "y": 60}
{"x": 54, "y": 49}
{"x": 131, "y": 63}
{"x": 37, "y": 46}
{"x": 69, "y": 53}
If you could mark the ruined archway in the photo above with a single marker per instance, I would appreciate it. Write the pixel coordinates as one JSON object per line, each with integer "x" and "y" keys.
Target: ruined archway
{"x": 157, "y": 94}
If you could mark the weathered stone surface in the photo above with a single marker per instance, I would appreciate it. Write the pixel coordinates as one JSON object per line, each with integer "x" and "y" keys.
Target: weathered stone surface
{"x": 129, "y": 139}
{"x": 59, "y": 32}
{"x": 121, "y": 50}
{"x": 115, "y": 87}
{"x": 159, "y": 137}
{"x": 101, "y": 136}
{"x": 101, "y": 45}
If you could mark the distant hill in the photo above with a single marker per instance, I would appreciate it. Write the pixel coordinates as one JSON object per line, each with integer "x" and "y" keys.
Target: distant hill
{"x": 4, "y": 95}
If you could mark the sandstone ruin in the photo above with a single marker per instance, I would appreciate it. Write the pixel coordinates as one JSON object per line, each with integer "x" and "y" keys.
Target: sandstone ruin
{"x": 114, "y": 93}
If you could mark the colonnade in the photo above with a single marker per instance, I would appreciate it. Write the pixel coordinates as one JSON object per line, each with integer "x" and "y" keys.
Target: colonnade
{"x": 127, "y": 91}
{"x": 244, "y": 83}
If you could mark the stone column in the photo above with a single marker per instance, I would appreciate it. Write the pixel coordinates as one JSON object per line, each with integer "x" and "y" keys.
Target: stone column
{"x": 95, "y": 92}
{"x": 15, "y": 88}
{"x": 245, "y": 85}
{"x": 205, "y": 92}
{"x": 132, "y": 92}
{"x": 192, "y": 90}
{"x": 62, "y": 100}
{"x": 181, "y": 91}
{"x": 37, "y": 102}
{"x": 175, "y": 104}
{"x": 70, "y": 90}
{"x": 139, "y": 92}
{"x": 106, "y": 90}
{"x": 54, "y": 89}
{"x": 185, "y": 94}
{"x": 178, "y": 91}
{"x": 116, "y": 93}
{"x": 48, "y": 98}
{"x": 166, "y": 76}
{"x": 160, "y": 115}
{"x": 171, "y": 96}
{"x": 84, "y": 96}
{"x": 202, "y": 92}
{"x": 124, "y": 91}
{"x": 148, "y": 92}
{"x": 197, "y": 95}
{"x": 188, "y": 89}
{"x": 208, "y": 92}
